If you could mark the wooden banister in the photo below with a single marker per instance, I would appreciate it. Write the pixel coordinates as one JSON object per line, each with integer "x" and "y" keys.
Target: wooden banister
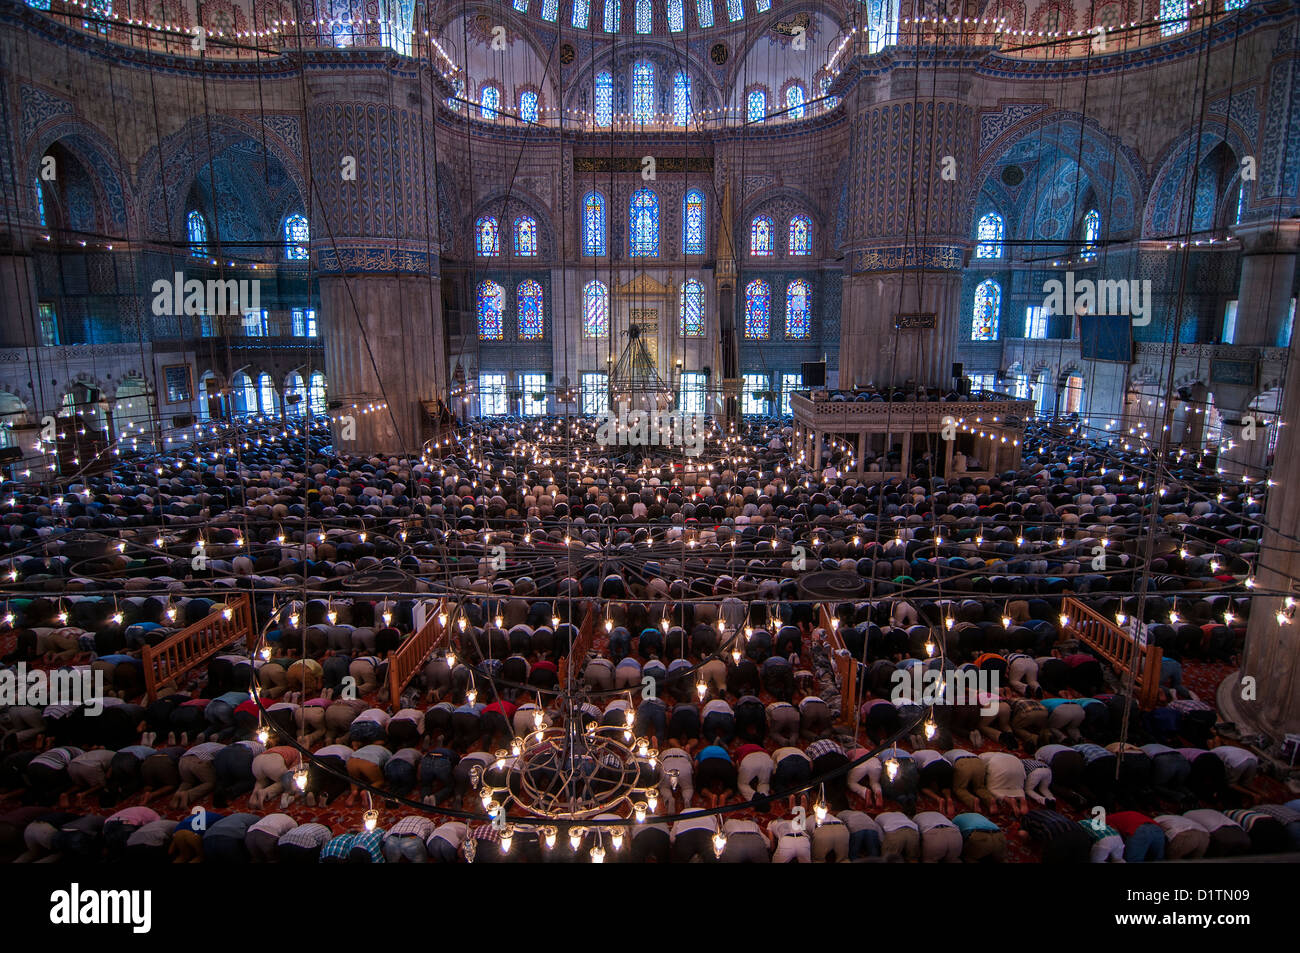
{"x": 846, "y": 666}
{"x": 410, "y": 655}
{"x": 168, "y": 661}
{"x": 1116, "y": 646}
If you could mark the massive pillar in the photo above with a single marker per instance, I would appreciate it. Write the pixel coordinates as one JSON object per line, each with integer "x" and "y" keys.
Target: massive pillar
{"x": 908, "y": 231}
{"x": 375, "y": 239}
{"x": 1268, "y": 267}
{"x": 18, "y": 292}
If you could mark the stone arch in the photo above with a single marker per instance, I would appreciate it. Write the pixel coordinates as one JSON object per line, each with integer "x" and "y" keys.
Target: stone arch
{"x": 1166, "y": 207}
{"x": 113, "y": 202}
{"x": 508, "y": 206}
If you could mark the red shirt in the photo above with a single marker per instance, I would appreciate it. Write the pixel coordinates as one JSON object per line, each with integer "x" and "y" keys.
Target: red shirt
{"x": 546, "y": 664}
{"x": 506, "y": 708}
{"x": 249, "y": 706}
{"x": 1126, "y": 822}
{"x": 748, "y": 749}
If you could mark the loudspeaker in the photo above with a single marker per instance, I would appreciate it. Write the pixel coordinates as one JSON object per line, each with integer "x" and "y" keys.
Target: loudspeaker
{"x": 183, "y": 420}
{"x": 813, "y": 373}
{"x": 958, "y": 369}
{"x": 292, "y": 398}
{"x": 11, "y": 454}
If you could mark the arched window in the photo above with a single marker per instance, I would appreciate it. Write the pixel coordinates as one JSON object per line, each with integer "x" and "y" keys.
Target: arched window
{"x": 735, "y": 10}
{"x": 528, "y": 106}
{"x": 693, "y": 223}
{"x": 532, "y": 319}
{"x": 1091, "y": 234}
{"x": 692, "y": 322}
{"x": 800, "y": 235}
{"x": 318, "y": 394}
{"x": 798, "y": 318}
{"x": 243, "y": 395}
{"x": 1173, "y": 17}
{"x": 266, "y": 389}
{"x": 294, "y": 387}
{"x": 643, "y": 16}
{"x": 595, "y": 310}
{"x": 758, "y": 309}
{"x": 521, "y": 6}
{"x": 40, "y": 202}
{"x": 676, "y": 16}
{"x": 756, "y": 105}
{"x": 704, "y": 10}
{"x": 987, "y": 311}
{"x": 612, "y": 16}
{"x": 487, "y": 238}
{"x": 643, "y": 92}
{"x": 581, "y": 12}
{"x": 550, "y": 10}
{"x": 296, "y": 235}
{"x": 643, "y": 219}
{"x": 681, "y": 98}
{"x": 989, "y": 234}
{"x": 604, "y": 98}
{"x": 489, "y": 102}
{"x": 491, "y": 308}
{"x": 196, "y": 227}
{"x": 526, "y": 236}
{"x": 761, "y": 244}
{"x": 794, "y": 100}
{"x": 1073, "y": 396}
{"x": 593, "y": 224}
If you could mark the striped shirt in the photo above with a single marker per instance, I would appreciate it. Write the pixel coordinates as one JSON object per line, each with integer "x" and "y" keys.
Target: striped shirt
{"x": 824, "y": 746}
{"x": 1092, "y": 752}
{"x": 413, "y": 825}
{"x": 1048, "y": 825}
{"x": 372, "y": 843}
{"x": 339, "y": 847}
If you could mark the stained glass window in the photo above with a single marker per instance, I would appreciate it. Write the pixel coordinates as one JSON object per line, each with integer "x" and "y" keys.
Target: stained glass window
{"x": 756, "y": 105}
{"x": 693, "y": 223}
{"x": 691, "y": 400}
{"x": 40, "y": 202}
{"x": 296, "y": 235}
{"x": 762, "y": 6}
{"x": 521, "y": 6}
{"x": 643, "y": 216}
{"x": 798, "y": 319}
{"x": 681, "y": 98}
{"x": 612, "y": 16}
{"x": 593, "y": 224}
{"x": 528, "y": 106}
{"x": 1234, "y": 4}
{"x": 1241, "y": 205}
{"x": 39, "y": 4}
{"x": 491, "y": 308}
{"x": 735, "y": 10}
{"x": 295, "y": 387}
{"x": 317, "y": 393}
{"x": 245, "y": 394}
{"x": 758, "y": 309}
{"x": 676, "y": 16}
{"x": 595, "y": 310}
{"x": 267, "y": 388}
{"x": 801, "y": 235}
{"x": 581, "y": 11}
{"x": 525, "y": 236}
{"x": 988, "y": 307}
{"x": 489, "y": 102}
{"x": 789, "y": 384}
{"x": 643, "y": 92}
{"x": 1091, "y": 234}
{"x": 196, "y": 227}
{"x": 304, "y": 322}
{"x": 532, "y": 320}
{"x": 760, "y": 237}
{"x": 550, "y": 10}
{"x": 103, "y": 9}
{"x": 989, "y": 233}
{"x": 1173, "y": 15}
{"x": 794, "y": 100}
{"x": 692, "y": 325}
{"x": 486, "y": 237}
{"x": 595, "y": 393}
{"x": 643, "y": 16}
{"x": 704, "y": 8}
{"x": 604, "y": 98}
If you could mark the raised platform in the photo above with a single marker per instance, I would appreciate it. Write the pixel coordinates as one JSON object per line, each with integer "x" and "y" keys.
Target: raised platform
{"x": 987, "y": 433}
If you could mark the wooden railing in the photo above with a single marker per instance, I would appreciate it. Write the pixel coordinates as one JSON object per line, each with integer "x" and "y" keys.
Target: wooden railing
{"x": 582, "y": 644}
{"x": 168, "y": 661}
{"x": 410, "y": 655}
{"x": 1115, "y": 646}
{"x": 846, "y": 666}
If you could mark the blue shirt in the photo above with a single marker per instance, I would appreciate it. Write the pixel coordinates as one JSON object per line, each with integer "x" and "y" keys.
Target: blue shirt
{"x": 208, "y": 819}
{"x": 970, "y": 822}
{"x": 713, "y": 751}
{"x": 1051, "y": 704}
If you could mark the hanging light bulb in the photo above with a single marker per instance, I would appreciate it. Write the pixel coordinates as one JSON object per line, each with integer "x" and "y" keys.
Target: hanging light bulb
{"x": 548, "y": 837}
{"x": 442, "y": 619}
{"x": 227, "y": 613}
{"x": 1065, "y": 619}
{"x": 638, "y": 811}
{"x": 575, "y": 837}
{"x": 719, "y": 843}
{"x": 451, "y": 659}
{"x": 598, "y": 854}
{"x": 930, "y": 729}
{"x": 263, "y": 735}
{"x": 652, "y": 799}
{"x": 820, "y": 811}
{"x": 471, "y": 695}
{"x": 460, "y": 623}
{"x": 891, "y": 768}
{"x": 616, "y": 838}
{"x": 507, "y": 838}
{"x": 300, "y": 778}
{"x": 371, "y": 820}
{"x": 701, "y": 689}
{"x": 555, "y": 621}
{"x": 1120, "y": 617}
{"x": 929, "y": 647}
{"x": 1006, "y": 622}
